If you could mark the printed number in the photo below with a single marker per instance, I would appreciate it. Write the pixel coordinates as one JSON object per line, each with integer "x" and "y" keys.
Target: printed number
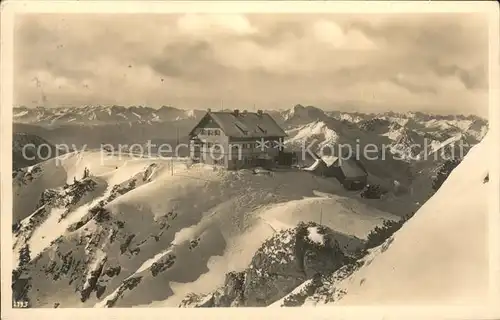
{"x": 20, "y": 304}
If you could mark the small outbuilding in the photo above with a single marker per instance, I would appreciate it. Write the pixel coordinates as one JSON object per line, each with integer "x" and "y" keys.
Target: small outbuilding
{"x": 350, "y": 172}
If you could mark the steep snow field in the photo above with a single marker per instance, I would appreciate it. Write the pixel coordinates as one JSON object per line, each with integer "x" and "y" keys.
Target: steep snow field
{"x": 146, "y": 235}
{"x": 439, "y": 257}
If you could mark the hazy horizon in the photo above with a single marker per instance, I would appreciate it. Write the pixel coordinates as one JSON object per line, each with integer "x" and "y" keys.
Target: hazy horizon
{"x": 432, "y": 63}
{"x": 368, "y": 112}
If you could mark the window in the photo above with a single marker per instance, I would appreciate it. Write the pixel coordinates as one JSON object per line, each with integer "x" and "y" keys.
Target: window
{"x": 202, "y": 131}
{"x": 209, "y": 132}
{"x": 217, "y": 132}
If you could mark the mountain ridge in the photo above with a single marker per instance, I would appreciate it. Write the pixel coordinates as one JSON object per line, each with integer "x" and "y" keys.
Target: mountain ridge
{"x": 100, "y": 114}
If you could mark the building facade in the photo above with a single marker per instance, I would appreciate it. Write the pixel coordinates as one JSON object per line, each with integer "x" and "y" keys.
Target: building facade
{"x": 237, "y": 140}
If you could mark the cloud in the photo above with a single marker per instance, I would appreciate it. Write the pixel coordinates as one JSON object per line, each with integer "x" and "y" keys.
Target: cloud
{"x": 203, "y": 24}
{"x": 412, "y": 85}
{"x": 368, "y": 63}
{"x": 332, "y": 34}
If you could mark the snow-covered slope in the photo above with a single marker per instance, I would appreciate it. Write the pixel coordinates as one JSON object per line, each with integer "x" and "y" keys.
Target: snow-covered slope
{"x": 440, "y": 256}
{"x": 140, "y": 235}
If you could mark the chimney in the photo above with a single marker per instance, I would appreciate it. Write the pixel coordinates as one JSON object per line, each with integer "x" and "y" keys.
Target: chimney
{"x": 236, "y": 112}
{"x": 209, "y": 110}
{"x": 259, "y": 112}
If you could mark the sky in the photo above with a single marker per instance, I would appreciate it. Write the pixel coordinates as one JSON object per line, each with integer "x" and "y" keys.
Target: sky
{"x": 369, "y": 63}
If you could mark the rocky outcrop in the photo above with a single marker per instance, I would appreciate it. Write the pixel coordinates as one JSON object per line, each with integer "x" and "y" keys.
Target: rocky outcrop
{"x": 132, "y": 183}
{"x": 321, "y": 288}
{"x": 282, "y": 263}
{"x": 23, "y": 176}
{"x": 67, "y": 197}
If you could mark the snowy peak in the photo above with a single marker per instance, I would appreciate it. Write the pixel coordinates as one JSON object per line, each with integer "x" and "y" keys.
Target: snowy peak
{"x": 317, "y": 130}
{"x": 98, "y": 115}
{"x": 406, "y": 143}
{"x": 405, "y": 137}
{"x": 301, "y": 115}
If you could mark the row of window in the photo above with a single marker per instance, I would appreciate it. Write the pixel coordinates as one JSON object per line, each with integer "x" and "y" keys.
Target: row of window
{"x": 234, "y": 146}
{"x": 247, "y": 146}
{"x": 210, "y": 132}
{"x": 246, "y": 160}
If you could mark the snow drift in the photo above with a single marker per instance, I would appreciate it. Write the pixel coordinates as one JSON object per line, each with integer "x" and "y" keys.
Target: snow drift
{"x": 440, "y": 256}
{"x": 147, "y": 235}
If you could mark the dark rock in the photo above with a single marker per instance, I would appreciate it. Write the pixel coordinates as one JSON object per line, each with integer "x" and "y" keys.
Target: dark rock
{"x": 281, "y": 264}
{"x": 113, "y": 271}
{"x": 373, "y": 191}
{"x": 99, "y": 291}
{"x": 233, "y": 285}
{"x": 162, "y": 265}
{"x": 127, "y": 284}
{"x": 194, "y": 243}
{"x": 124, "y": 246}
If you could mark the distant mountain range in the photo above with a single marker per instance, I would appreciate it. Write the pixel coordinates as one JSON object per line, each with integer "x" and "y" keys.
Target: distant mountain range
{"x": 93, "y": 126}
{"x": 98, "y": 115}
